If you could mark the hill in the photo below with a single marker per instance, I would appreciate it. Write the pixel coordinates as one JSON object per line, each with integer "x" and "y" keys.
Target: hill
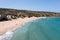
{"x": 8, "y": 14}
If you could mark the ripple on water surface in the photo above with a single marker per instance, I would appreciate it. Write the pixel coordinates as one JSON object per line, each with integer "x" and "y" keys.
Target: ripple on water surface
{"x": 41, "y": 29}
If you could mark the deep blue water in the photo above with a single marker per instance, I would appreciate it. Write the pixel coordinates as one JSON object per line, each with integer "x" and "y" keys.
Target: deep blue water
{"x": 41, "y": 29}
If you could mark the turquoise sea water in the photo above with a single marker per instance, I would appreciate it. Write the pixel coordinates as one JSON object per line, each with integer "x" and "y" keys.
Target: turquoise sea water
{"x": 41, "y": 29}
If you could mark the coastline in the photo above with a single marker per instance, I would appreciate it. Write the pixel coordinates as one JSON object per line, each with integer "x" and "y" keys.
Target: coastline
{"x": 15, "y": 24}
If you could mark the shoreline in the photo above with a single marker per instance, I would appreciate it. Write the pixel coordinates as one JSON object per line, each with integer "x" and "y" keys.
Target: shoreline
{"x": 32, "y": 19}
{"x": 15, "y": 24}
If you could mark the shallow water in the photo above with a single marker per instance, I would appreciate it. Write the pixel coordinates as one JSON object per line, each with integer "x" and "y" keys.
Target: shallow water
{"x": 41, "y": 29}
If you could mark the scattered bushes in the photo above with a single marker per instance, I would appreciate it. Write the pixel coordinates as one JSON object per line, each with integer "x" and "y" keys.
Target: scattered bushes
{"x": 8, "y": 14}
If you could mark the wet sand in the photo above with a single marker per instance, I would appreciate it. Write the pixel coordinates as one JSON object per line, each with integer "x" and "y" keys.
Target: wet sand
{"x": 14, "y": 24}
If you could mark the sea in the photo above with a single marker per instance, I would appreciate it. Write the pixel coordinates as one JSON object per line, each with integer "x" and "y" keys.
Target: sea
{"x": 40, "y": 29}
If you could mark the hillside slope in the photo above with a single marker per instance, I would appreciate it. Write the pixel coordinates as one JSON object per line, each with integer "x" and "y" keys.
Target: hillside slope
{"x": 14, "y": 13}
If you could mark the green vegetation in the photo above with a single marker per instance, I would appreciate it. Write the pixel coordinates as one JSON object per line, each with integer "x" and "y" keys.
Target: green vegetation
{"x": 8, "y": 14}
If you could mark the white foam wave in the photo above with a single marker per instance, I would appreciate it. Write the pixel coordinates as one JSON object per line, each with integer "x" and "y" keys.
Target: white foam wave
{"x": 7, "y": 36}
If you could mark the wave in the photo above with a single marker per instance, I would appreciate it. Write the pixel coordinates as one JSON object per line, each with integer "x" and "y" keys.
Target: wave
{"x": 7, "y": 36}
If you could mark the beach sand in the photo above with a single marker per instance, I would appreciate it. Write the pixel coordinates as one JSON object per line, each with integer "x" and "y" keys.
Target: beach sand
{"x": 14, "y": 24}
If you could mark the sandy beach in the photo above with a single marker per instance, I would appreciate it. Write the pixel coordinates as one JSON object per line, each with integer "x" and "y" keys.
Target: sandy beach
{"x": 14, "y": 24}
